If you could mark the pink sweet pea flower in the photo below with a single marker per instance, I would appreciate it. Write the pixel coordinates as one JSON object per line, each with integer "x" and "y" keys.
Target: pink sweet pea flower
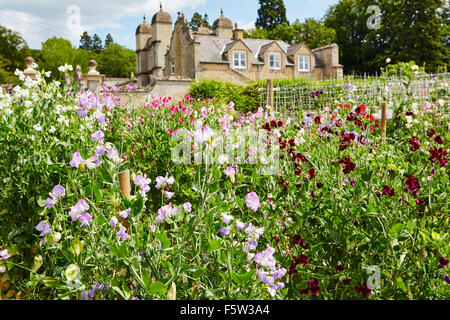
{"x": 77, "y": 159}
{"x": 252, "y": 201}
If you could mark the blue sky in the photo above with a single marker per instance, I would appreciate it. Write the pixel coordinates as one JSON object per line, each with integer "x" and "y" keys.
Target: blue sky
{"x": 39, "y": 20}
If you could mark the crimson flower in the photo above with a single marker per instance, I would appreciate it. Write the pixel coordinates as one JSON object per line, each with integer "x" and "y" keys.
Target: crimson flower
{"x": 420, "y": 202}
{"x": 346, "y": 281}
{"x": 439, "y": 155}
{"x": 339, "y": 268}
{"x": 363, "y": 290}
{"x": 412, "y": 185}
{"x": 387, "y": 191}
{"x": 443, "y": 263}
{"x": 313, "y": 287}
{"x": 439, "y": 140}
{"x": 302, "y": 259}
{"x": 431, "y": 133}
{"x": 414, "y": 144}
{"x": 312, "y": 173}
{"x": 349, "y": 166}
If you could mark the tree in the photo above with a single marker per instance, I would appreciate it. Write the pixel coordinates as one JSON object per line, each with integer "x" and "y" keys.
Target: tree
{"x": 117, "y": 61}
{"x": 313, "y": 32}
{"x": 86, "y": 41}
{"x": 271, "y": 14}
{"x": 13, "y": 51}
{"x": 198, "y": 20}
{"x": 96, "y": 44}
{"x": 108, "y": 40}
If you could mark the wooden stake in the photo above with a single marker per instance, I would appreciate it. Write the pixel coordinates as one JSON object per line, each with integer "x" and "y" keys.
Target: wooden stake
{"x": 124, "y": 183}
{"x": 383, "y": 119}
{"x": 270, "y": 95}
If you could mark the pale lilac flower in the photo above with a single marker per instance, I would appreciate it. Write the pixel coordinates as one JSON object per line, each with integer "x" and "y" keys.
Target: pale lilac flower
{"x": 112, "y": 154}
{"x": 163, "y": 181}
{"x": 77, "y": 159}
{"x": 98, "y": 136}
{"x": 240, "y": 225}
{"x": 44, "y": 227}
{"x": 252, "y": 201}
{"x": 169, "y": 195}
{"x": 82, "y": 113}
{"x": 122, "y": 233}
{"x": 100, "y": 151}
{"x": 166, "y": 212}
{"x": 225, "y": 231}
{"x": 57, "y": 193}
{"x": 187, "y": 207}
{"x": 229, "y": 171}
{"x": 226, "y": 218}
{"x": 101, "y": 118}
{"x": 77, "y": 210}
{"x": 266, "y": 258}
{"x": 124, "y": 214}
{"x": 4, "y": 254}
{"x": 92, "y": 162}
{"x": 85, "y": 219}
{"x": 142, "y": 182}
{"x": 113, "y": 222}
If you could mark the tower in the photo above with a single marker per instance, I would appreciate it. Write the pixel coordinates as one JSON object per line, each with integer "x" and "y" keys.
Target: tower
{"x": 223, "y": 27}
{"x": 143, "y": 34}
{"x": 161, "y": 34}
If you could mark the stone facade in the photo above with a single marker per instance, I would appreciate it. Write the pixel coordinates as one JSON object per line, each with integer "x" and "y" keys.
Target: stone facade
{"x": 165, "y": 52}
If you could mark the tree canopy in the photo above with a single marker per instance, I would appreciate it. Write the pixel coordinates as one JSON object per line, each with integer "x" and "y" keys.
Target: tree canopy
{"x": 198, "y": 20}
{"x": 13, "y": 51}
{"x": 271, "y": 14}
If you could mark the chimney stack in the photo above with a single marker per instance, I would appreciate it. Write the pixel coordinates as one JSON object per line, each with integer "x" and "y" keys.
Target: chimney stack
{"x": 238, "y": 33}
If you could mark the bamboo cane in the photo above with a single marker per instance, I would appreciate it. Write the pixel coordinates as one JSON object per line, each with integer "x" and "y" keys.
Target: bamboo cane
{"x": 124, "y": 183}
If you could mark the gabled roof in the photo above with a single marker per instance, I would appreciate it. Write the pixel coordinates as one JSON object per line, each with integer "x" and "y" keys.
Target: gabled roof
{"x": 232, "y": 44}
{"x": 266, "y": 47}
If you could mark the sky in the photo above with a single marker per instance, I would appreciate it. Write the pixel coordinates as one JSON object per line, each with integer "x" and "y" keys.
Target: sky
{"x": 38, "y": 20}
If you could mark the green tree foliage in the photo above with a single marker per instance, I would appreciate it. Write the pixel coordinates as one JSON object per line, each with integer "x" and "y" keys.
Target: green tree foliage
{"x": 13, "y": 51}
{"x": 85, "y": 41}
{"x": 312, "y": 32}
{"x": 108, "y": 40}
{"x": 271, "y": 14}
{"x": 96, "y": 44}
{"x": 117, "y": 61}
{"x": 198, "y": 20}
{"x": 409, "y": 30}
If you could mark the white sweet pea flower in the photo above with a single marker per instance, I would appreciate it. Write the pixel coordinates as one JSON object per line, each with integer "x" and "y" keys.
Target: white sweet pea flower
{"x": 37, "y": 127}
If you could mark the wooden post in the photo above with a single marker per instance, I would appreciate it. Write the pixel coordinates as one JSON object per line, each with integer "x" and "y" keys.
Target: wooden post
{"x": 383, "y": 119}
{"x": 124, "y": 183}
{"x": 270, "y": 94}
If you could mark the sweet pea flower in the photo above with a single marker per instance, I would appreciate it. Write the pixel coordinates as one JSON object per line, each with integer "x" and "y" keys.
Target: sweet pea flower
{"x": 122, "y": 233}
{"x": 252, "y": 201}
{"x": 85, "y": 219}
{"x": 4, "y": 254}
{"x": 77, "y": 159}
{"x": 113, "y": 222}
{"x": 77, "y": 210}
{"x": 240, "y": 225}
{"x": 187, "y": 207}
{"x": 162, "y": 182}
{"x": 226, "y": 218}
{"x": 44, "y": 227}
{"x": 225, "y": 231}
{"x": 124, "y": 214}
{"x": 98, "y": 136}
{"x": 57, "y": 193}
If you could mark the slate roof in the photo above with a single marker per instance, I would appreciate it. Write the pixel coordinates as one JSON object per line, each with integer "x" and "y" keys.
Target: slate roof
{"x": 212, "y": 48}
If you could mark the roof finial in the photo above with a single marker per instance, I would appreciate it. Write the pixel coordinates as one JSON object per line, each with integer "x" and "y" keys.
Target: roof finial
{"x": 144, "y": 18}
{"x": 160, "y": 6}
{"x": 221, "y": 12}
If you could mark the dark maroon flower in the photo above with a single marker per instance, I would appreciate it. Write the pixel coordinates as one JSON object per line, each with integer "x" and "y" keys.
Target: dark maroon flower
{"x": 447, "y": 279}
{"x": 443, "y": 262}
{"x": 273, "y": 124}
{"x": 398, "y": 117}
{"x": 302, "y": 259}
{"x": 339, "y": 268}
{"x": 317, "y": 120}
{"x": 363, "y": 290}
{"x": 298, "y": 185}
{"x": 277, "y": 240}
{"x": 439, "y": 155}
{"x": 280, "y": 123}
{"x": 319, "y": 185}
{"x": 391, "y": 172}
{"x": 312, "y": 173}
{"x": 299, "y": 241}
{"x": 313, "y": 194}
{"x": 439, "y": 140}
{"x": 353, "y": 183}
{"x": 420, "y": 202}
{"x": 349, "y": 166}
{"x": 412, "y": 185}
{"x": 346, "y": 281}
{"x": 313, "y": 286}
{"x": 304, "y": 291}
{"x": 409, "y": 113}
{"x": 414, "y": 144}
{"x": 387, "y": 191}
{"x": 431, "y": 133}
{"x": 378, "y": 193}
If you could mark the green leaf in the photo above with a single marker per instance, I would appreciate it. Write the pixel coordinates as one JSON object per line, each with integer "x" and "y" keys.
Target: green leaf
{"x": 401, "y": 284}
{"x": 158, "y": 288}
{"x": 396, "y": 229}
{"x": 137, "y": 206}
{"x": 214, "y": 245}
{"x": 242, "y": 279}
{"x": 199, "y": 272}
{"x": 97, "y": 193}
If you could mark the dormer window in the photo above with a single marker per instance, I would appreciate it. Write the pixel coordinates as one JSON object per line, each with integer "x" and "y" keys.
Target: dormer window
{"x": 240, "y": 59}
{"x": 303, "y": 63}
{"x": 275, "y": 61}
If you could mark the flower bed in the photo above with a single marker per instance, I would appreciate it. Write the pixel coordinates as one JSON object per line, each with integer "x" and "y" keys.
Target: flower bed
{"x": 318, "y": 208}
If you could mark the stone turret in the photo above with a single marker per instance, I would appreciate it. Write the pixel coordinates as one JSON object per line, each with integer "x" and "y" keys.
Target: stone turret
{"x": 161, "y": 34}
{"x": 223, "y": 27}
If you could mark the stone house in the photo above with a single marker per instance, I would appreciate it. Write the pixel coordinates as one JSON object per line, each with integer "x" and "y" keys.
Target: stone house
{"x": 167, "y": 52}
